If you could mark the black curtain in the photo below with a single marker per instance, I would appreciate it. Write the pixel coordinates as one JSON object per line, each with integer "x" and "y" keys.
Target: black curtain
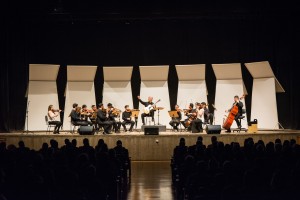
{"x": 150, "y": 42}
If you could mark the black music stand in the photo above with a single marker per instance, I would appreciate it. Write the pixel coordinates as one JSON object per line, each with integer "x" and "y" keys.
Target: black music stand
{"x": 174, "y": 114}
{"x": 135, "y": 114}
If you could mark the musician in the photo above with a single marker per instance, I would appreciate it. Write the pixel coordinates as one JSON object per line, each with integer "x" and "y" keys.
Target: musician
{"x": 240, "y": 105}
{"x": 176, "y": 120}
{"x": 208, "y": 116}
{"x": 85, "y": 113}
{"x": 102, "y": 120}
{"x": 191, "y": 114}
{"x": 146, "y": 104}
{"x": 197, "y": 123}
{"x": 52, "y": 116}
{"x": 126, "y": 116}
{"x": 76, "y": 118}
{"x": 111, "y": 117}
{"x": 93, "y": 116}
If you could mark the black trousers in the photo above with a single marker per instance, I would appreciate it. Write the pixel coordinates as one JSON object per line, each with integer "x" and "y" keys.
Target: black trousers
{"x": 196, "y": 126}
{"x": 209, "y": 118}
{"x": 151, "y": 114}
{"x": 174, "y": 123}
{"x": 116, "y": 125}
{"x": 82, "y": 123}
{"x": 128, "y": 122}
{"x": 107, "y": 125}
{"x": 236, "y": 119}
{"x": 57, "y": 125}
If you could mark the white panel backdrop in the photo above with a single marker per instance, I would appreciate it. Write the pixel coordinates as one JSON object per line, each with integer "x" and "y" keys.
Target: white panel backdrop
{"x": 41, "y": 94}
{"x": 229, "y": 83}
{"x": 117, "y": 86}
{"x": 154, "y": 83}
{"x": 264, "y": 107}
{"x": 191, "y": 92}
{"x": 265, "y": 86}
{"x": 80, "y": 89}
{"x": 191, "y": 84}
{"x": 77, "y": 92}
{"x": 225, "y": 91}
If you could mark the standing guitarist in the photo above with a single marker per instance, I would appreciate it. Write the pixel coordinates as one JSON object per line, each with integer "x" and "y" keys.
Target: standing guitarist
{"x": 149, "y": 106}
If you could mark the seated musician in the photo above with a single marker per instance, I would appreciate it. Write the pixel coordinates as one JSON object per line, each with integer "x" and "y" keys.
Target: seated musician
{"x": 240, "y": 105}
{"x": 76, "y": 118}
{"x": 126, "y": 116}
{"x": 111, "y": 116}
{"x": 52, "y": 116}
{"x": 208, "y": 116}
{"x": 93, "y": 116}
{"x": 102, "y": 119}
{"x": 176, "y": 120}
{"x": 191, "y": 114}
{"x": 85, "y": 112}
{"x": 147, "y": 104}
{"x": 197, "y": 123}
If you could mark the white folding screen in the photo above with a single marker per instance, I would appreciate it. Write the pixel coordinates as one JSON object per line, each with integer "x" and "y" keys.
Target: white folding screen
{"x": 191, "y": 84}
{"x": 229, "y": 83}
{"x": 265, "y": 86}
{"x": 154, "y": 82}
{"x": 117, "y": 86}
{"x": 80, "y": 89}
{"x": 41, "y": 93}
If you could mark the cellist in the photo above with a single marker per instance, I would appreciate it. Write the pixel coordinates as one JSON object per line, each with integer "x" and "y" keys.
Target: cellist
{"x": 240, "y": 105}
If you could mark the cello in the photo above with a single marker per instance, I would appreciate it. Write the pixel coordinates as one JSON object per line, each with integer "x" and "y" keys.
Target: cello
{"x": 231, "y": 116}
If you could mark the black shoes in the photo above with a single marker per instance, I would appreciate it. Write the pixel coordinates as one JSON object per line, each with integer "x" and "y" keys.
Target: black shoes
{"x": 228, "y": 131}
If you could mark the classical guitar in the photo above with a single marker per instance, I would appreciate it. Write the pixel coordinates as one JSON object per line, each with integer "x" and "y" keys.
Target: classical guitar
{"x": 150, "y": 107}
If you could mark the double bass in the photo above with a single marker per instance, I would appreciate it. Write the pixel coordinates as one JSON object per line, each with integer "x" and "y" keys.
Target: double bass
{"x": 231, "y": 116}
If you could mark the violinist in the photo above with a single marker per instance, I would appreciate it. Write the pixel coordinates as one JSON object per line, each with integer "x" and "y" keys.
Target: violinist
{"x": 93, "y": 116}
{"x": 76, "y": 118}
{"x": 126, "y": 116}
{"x": 176, "y": 120}
{"x": 208, "y": 116}
{"x": 52, "y": 116}
{"x": 197, "y": 123}
{"x": 85, "y": 113}
{"x": 191, "y": 114}
{"x": 240, "y": 105}
{"x": 102, "y": 120}
{"x": 112, "y": 113}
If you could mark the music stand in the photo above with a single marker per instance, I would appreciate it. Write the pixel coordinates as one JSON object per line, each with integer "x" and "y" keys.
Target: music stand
{"x": 135, "y": 114}
{"x": 174, "y": 114}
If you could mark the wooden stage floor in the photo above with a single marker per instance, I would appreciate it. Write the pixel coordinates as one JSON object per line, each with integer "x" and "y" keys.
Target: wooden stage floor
{"x": 147, "y": 147}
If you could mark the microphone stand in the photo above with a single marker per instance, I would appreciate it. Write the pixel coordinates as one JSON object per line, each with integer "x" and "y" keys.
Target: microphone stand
{"x": 27, "y": 119}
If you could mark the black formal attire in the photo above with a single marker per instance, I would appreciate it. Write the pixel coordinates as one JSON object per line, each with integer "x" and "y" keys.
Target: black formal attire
{"x": 116, "y": 124}
{"x": 151, "y": 113}
{"x": 176, "y": 121}
{"x": 102, "y": 120}
{"x": 126, "y": 116}
{"x": 208, "y": 116}
{"x": 192, "y": 124}
{"x": 239, "y": 113}
{"x": 76, "y": 119}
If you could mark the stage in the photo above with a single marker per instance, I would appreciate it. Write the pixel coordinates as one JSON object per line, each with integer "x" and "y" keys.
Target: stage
{"x": 147, "y": 147}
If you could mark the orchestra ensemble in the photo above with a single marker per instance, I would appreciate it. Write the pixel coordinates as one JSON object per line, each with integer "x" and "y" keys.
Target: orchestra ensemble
{"x": 110, "y": 119}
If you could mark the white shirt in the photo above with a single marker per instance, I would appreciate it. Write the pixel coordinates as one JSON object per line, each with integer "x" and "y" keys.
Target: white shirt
{"x": 52, "y": 115}
{"x": 200, "y": 114}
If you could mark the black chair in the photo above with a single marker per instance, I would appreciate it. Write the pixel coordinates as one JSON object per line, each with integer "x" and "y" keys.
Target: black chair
{"x": 48, "y": 125}
{"x": 240, "y": 120}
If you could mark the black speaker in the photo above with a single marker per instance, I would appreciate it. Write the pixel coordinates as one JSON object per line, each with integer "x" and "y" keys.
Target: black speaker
{"x": 86, "y": 130}
{"x": 213, "y": 129}
{"x": 151, "y": 130}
